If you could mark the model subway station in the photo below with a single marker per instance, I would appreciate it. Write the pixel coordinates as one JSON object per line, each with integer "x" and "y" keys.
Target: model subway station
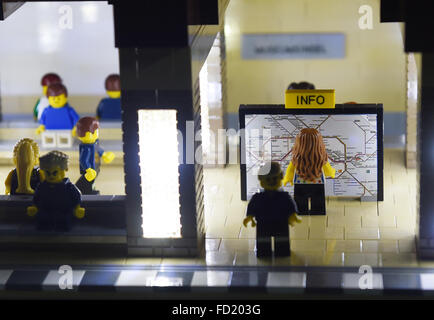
{"x": 234, "y": 148}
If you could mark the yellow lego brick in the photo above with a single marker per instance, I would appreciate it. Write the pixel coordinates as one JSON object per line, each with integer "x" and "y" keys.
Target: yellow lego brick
{"x": 360, "y": 259}
{"x": 315, "y": 221}
{"x": 319, "y": 233}
{"x": 345, "y": 221}
{"x": 407, "y": 246}
{"x": 234, "y": 245}
{"x": 399, "y": 260}
{"x": 299, "y": 232}
{"x": 308, "y": 245}
{"x": 361, "y": 233}
{"x": 379, "y": 221}
{"x": 396, "y": 234}
{"x": 378, "y": 246}
{"x": 307, "y": 99}
{"x": 212, "y": 244}
{"x": 344, "y": 245}
{"x": 219, "y": 258}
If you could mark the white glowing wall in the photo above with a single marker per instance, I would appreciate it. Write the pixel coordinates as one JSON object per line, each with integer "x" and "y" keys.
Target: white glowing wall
{"x": 74, "y": 39}
{"x": 159, "y": 171}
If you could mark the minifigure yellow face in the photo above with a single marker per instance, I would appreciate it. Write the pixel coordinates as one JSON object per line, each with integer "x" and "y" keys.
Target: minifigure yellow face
{"x": 89, "y": 138}
{"x": 58, "y": 101}
{"x": 44, "y": 90}
{"x": 114, "y": 94}
{"x": 271, "y": 183}
{"x": 54, "y": 175}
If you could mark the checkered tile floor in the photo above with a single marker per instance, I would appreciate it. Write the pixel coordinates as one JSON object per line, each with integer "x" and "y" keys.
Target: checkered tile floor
{"x": 277, "y": 280}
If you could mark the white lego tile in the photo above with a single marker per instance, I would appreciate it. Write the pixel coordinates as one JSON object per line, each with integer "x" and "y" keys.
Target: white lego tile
{"x": 4, "y": 276}
{"x": 53, "y": 279}
{"x": 211, "y": 279}
{"x": 136, "y": 278}
{"x": 362, "y": 281}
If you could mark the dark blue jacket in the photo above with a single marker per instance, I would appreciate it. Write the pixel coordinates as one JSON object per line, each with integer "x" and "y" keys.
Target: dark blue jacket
{"x": 60, "y": 197}
{"x": 87, "y": 156}
{"x": 109, "y": 109}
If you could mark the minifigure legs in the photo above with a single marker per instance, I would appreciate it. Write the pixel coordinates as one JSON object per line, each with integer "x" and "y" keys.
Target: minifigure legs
{"x": 316, "y": 193}
{"x": 57, "y": 221}
{"x": 85, "y": 186}
{"x": 280, "y": 232}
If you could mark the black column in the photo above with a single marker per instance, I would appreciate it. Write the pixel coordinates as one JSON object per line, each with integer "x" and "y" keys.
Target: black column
{"x": 155, "y": 70}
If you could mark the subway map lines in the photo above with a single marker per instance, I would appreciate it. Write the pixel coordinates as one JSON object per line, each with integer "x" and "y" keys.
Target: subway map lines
{"x": 350, "y": 139}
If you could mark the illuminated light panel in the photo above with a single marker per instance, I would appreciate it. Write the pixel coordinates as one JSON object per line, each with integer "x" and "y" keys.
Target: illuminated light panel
{"x": 158, "y": 151}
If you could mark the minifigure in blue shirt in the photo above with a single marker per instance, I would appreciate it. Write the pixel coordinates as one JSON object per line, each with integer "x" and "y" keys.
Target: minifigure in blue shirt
{"x": 87, "y": 133}
{"x": 110, "y": 108}
{"x": 59, "y": 115}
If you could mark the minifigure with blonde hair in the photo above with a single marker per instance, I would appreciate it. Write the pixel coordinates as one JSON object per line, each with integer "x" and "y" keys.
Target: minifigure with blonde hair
{"x": 307, "y": 172}
{"x": 26, "y": 176}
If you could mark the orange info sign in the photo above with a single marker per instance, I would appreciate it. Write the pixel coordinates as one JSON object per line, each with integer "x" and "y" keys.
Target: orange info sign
{"x": 310, "y": 99}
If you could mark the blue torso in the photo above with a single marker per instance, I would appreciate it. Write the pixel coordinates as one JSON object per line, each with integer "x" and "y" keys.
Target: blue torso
{"x": 63, "y": 118}
{"x": 109, "y": 109}
{"x": 87, "y": 156}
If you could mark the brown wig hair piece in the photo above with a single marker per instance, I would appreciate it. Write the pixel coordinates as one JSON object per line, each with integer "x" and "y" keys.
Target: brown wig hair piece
{"x": 86, "y": 124}
{"x": 56, "y": 89}
{"x": 309, "y": 154}
{"x": 113, "y": 82}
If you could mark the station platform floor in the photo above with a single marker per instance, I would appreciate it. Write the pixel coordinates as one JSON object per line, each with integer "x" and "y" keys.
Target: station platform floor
{"x": 353, "y": 233}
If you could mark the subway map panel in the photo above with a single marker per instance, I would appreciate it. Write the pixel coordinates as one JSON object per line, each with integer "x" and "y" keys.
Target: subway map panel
{"x": 351, "y": 144}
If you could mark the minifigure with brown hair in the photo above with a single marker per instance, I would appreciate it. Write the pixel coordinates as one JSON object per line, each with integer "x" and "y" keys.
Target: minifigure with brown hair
{"x": 90, "y": 152}
{"x": 42, "y": 103}
{"x": 59, "y": 115}
{"x": 110, "y": 108}
{"x": 307, "y": 172}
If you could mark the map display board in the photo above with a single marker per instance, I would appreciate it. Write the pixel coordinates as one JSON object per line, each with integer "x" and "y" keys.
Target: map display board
{"x": 353, "y": 135}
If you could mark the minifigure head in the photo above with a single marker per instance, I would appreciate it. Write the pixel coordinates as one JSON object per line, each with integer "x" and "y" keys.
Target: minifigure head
{"x": 49, "y": 79}
{"x": 87, "y": 130}
{"x": 301, "y": 85}
{"x": 113, "y": 86}
{"x": 26, "y": 150}
{"x": 57, "y": 95}
{"x": 270, "y": 176}
{"x": 309, "y": 154}
{"x": 54, "y": 165}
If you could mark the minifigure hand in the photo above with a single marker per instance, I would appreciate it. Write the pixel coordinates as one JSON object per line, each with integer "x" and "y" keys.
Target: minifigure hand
{"x": 285, "y": 182}
{"x": 246, "y": 221}
{"x": 32, "y": 211}
{"x": 40, "y": 129}
{"x": 79, "y": 212}
{"x": 108, "y": 156}
{"x": 90, "y": 174}
{"x": 74, "y": 131}
{"x": 293, "y": 219}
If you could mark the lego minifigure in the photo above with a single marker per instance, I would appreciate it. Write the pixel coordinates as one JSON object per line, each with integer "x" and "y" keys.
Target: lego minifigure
{"x": 110, "y": 108}
{"x": 56, "y": 200}
{"x": 273, "y": 210}
{"x": 87, "y": 133}
{"x": 26, "y": 176}
{"x": 47, "y": 80}
{"x": 301, "y": 85}
{"x": 59, "y": 115}
{"x": 307, "y": 169}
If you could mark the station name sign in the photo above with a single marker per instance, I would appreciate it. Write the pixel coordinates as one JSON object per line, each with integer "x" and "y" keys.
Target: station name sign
{"x": 310, "y": 99}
